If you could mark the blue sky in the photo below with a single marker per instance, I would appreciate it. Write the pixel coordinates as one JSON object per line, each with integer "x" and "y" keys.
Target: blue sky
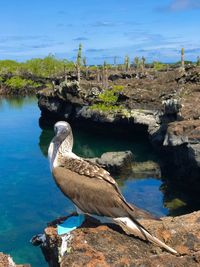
{"x": 106, "y": 28}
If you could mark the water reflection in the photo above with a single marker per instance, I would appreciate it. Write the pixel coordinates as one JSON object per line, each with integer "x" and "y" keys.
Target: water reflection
{"x": 16, "y": 102}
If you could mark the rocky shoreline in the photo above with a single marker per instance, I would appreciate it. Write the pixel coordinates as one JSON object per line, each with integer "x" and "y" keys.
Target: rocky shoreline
{"x": 94, "y": 244}
{"x": 7, "y": 261}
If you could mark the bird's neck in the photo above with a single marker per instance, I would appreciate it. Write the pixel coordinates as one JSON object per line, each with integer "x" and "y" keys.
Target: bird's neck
{"x": 59, "y": 150}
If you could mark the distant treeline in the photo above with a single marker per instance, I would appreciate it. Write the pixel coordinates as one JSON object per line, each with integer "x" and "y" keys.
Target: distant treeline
{"x": 40, "y": 67}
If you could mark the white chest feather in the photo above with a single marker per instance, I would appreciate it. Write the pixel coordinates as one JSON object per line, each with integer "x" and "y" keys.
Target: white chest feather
{"x": 56, "y": 154}
{"x": 52, "y": 155}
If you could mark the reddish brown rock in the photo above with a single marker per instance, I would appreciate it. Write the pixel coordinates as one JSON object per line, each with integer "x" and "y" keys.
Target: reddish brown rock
{"x": 7, "y": 261}
{"x": 182, "y": 132}
{"x": 95, "y": 245}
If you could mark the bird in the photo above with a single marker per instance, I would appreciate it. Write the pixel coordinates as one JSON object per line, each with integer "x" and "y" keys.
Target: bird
{"x": 92, "y": 189}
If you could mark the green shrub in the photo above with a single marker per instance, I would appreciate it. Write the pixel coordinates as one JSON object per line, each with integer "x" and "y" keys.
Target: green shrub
{"x": 48, "y": 66}
{"x": 106, "y": 108}
{"x": 8, "y": 66}
{"x": 17, "y": 83}
{"x": 159, "y": 66}
{"x": 108, "y": 100}
{"x": 42, "y": 67}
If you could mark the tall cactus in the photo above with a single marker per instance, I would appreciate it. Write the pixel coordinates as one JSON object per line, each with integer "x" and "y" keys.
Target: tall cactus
{"x": 85, "y": 66}
{"x": 105, "y": 75}
{"x": 78, "y": 62}
{"x": 115, "y": 62}
{"x": 143, "y": 60}
{"x": 127, "y": 63}
{"x": 182, "y": 57}
{"x": 98, "y": 75}
{"x": 136, "y": 62}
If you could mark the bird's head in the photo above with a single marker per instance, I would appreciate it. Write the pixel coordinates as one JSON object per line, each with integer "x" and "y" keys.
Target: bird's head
{"x": 63, "y": 135}
{"x": 62, "y": 141}
{"x": 62, "y": 128}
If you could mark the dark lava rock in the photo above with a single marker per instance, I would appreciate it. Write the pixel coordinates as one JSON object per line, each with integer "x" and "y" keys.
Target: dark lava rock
{"x": 95, "y": 245}
{"x": 115, "y": 162}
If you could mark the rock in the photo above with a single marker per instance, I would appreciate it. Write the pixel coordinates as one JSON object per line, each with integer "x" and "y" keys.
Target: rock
{"x": 115, "y": 76}
{"x": 94, "y": 244}
{"x": 95, "y": 91}
{"x": 50, "y": 105}
{"x": 123, "y": 163}
{"x": 194, "y": 154}
{"x": 116, "y": 162}
{"x": 146, "y": 169}
{"x": 183, "y": 132}
{"x": 96, "y": 115}
{"x": 7, "y": 261}
{"x": 171, "y": 106}
{"x": 65, "y": 88}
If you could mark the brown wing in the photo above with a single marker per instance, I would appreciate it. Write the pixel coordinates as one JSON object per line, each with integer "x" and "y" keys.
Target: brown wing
{"x": 95, "y": 196}
{"x": 87, "y": 168}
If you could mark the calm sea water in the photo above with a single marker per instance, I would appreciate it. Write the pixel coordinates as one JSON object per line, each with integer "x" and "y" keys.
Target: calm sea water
{"x": 29, "y": 197}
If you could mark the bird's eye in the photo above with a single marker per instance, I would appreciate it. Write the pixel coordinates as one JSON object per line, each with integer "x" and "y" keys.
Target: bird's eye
{"x": 55, "y": 129}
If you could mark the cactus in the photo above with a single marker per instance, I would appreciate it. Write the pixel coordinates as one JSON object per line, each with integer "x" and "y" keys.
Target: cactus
{"x": 79, "y": 55}
{"x": 136, "y": 62}
{"x": 78, "y": 62}
{"x": 98, "y": 75}
{"x": 115, "y": 62}
{"x": 182, "y": 57}
{"x": 127, "y": 63}
{"x": 143, "y": 60}
{"x": 105, "y": 75}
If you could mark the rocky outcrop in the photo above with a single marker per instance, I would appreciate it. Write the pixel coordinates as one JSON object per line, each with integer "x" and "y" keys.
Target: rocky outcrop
{"x": 185, "y": 135}
{"x": 94, "y": 244}
{"x": 115, "y": 162}
{"x": 7, "y": 261}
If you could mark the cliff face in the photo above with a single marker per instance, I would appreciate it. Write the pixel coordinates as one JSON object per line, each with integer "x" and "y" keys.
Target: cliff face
{"x": 95, "y": 245}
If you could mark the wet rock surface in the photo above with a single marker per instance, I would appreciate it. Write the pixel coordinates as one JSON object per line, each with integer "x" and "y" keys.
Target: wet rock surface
{"x": 94, "y": 244}
{"x": 7, "y": 261}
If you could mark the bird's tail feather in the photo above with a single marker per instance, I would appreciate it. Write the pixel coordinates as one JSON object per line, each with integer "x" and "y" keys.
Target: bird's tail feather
{"x": 131, "y": 227}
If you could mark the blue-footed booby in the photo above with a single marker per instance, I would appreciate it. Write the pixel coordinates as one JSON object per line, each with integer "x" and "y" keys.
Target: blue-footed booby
{"x": 91, "y": 188}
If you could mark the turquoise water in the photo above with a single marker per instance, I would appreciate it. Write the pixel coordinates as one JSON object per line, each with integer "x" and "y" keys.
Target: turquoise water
{"x": 28, "y": 196}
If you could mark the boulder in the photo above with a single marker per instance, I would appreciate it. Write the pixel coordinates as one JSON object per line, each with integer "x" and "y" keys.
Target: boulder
{"x": 171, "y": 106}
{"x": 94, "y": 244}
{"x": 115, "y": 162}
{"x": 182, "y": 132}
